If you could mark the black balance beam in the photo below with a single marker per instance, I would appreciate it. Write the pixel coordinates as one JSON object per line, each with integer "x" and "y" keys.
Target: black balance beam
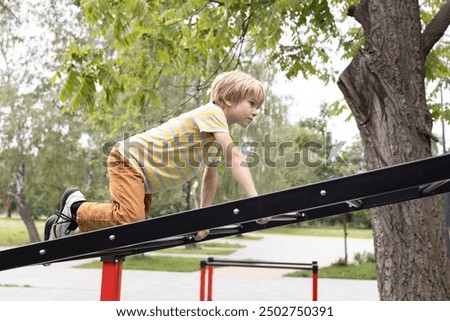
{"x": 388, "y": 185}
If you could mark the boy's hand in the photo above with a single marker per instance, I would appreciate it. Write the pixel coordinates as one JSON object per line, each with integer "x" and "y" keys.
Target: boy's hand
{"x": 200, "y": 235}
{"x": 264, "y": 220}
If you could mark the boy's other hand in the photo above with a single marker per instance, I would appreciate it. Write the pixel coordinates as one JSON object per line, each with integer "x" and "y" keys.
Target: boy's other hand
{"x": 264, "y": 220}
{"x": 200, "y": 235}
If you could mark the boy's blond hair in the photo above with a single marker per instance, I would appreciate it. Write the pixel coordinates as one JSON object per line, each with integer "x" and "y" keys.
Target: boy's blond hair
{"x": 236, "y": 86}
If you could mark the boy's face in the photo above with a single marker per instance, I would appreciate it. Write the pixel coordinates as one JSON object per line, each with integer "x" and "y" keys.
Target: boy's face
{"x": 243, "y": 112}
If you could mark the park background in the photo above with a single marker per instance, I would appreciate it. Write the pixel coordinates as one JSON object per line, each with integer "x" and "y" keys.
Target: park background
{"x": 63, "y": 105}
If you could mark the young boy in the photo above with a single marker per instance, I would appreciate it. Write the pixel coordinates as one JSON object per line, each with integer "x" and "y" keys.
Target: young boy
{"x": 167, "y": 156}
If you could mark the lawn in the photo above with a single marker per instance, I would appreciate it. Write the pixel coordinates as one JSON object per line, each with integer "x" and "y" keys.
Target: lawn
{"x": 182, "y": 259}
{"x": 13, "y": 231}
{"x": 320, "y": 231}
{"x": 154, "y": 263}
{"x": 363, "y": 271}
{"x": 207, "y": 248}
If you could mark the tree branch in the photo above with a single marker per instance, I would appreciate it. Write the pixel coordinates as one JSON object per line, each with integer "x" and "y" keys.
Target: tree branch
{"x": 360, "y": 13}
{"x": 436, "y": 28}
{"x": 4, "y": 7}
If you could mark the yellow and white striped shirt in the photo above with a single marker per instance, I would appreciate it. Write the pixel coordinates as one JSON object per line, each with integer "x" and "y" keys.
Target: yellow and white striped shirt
{"x": 176, "y": 151}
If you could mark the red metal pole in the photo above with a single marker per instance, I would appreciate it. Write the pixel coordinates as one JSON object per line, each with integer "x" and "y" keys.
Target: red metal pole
{"x": 315, "y": 280}
{"x": 202, "y": 280}
{"x": 111, "y": 278}
{"x": 210, "y": 282}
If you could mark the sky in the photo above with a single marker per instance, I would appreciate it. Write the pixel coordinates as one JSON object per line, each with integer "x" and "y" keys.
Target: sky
{"x": 309, "y": 94}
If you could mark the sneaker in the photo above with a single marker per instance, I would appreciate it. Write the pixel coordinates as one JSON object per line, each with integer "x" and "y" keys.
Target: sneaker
{"x": 48, "y": 226}
{"x": 63, "y": 223}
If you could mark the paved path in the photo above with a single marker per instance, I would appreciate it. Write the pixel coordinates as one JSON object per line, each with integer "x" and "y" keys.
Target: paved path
{"x": 63, "y": 282}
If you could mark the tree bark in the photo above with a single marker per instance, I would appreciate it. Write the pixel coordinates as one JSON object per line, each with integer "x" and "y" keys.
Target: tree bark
{"x": 385, "y": 90}
{"x": 21, "y": 204}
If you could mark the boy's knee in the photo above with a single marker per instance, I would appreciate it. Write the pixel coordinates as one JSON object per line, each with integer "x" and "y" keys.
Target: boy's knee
{"x": 130, "y": 217}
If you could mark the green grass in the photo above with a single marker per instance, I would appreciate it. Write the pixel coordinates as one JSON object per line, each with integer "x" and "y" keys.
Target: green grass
{"x": 319, "y": 231}
{"x": 222, "y": 245}
{"x": 14, "y": 286}
{"x": 363, "y": 271}
{"x": 17, "y": 234}
{"x": 154, "y": 263}
{"x": 198, "y": 251}
{"x": 246, "y": 237}
{"x": 13, "y": 231}
{"x": 206, "y": 248}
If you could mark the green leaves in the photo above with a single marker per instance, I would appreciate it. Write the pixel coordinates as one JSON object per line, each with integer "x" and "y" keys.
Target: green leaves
{"x": 134, "y": 44}
{"x": 79, "y": 88}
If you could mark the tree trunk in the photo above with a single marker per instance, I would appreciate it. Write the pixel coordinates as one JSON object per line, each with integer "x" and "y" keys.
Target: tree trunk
{"x": 7, "y": 202}
{"x": 344, "y": 223}
{"x": 187, "y": 195}
{"x": 21, "y": 203}
{"x": 384, "y": 88}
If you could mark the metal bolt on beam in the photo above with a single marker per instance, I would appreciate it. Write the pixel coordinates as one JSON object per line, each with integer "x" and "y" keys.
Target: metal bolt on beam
{"x": 42, "y": 252}
{"x": 236, "y": 211}
{"x": 112, "y": 237}
{"x": 323, "y": 192}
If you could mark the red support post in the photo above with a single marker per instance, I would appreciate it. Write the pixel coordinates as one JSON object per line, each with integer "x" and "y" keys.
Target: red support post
{"x": 315, "y": 280}
{"x": 202, "y": 280}
{"x": 210, "y": 282}
{"x": 207, "y": 268}
{"x": 111, "y": 278}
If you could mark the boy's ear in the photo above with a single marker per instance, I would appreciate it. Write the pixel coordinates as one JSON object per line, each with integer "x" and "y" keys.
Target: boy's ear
{"x": 228, "y": 103}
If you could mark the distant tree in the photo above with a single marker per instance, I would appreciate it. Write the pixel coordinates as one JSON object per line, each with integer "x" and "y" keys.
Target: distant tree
{"x": 38, "y": 138}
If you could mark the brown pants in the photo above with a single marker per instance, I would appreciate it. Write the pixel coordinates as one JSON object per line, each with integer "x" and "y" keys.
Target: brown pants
{"x": 129, "y": 201}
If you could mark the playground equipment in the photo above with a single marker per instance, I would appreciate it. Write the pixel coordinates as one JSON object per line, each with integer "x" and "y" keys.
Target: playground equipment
{"x": 206, "y": 272}
{"x": 388, "y": 185}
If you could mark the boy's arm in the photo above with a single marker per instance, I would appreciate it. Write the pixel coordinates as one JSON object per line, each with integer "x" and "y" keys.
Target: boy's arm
{"x": 209, "y": 186}
{"x": 210, "y": 180}
{"x": 237, "y": 164}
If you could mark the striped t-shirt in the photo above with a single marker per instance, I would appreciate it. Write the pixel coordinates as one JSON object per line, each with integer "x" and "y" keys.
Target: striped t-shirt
{"x": 176, "y": 151}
